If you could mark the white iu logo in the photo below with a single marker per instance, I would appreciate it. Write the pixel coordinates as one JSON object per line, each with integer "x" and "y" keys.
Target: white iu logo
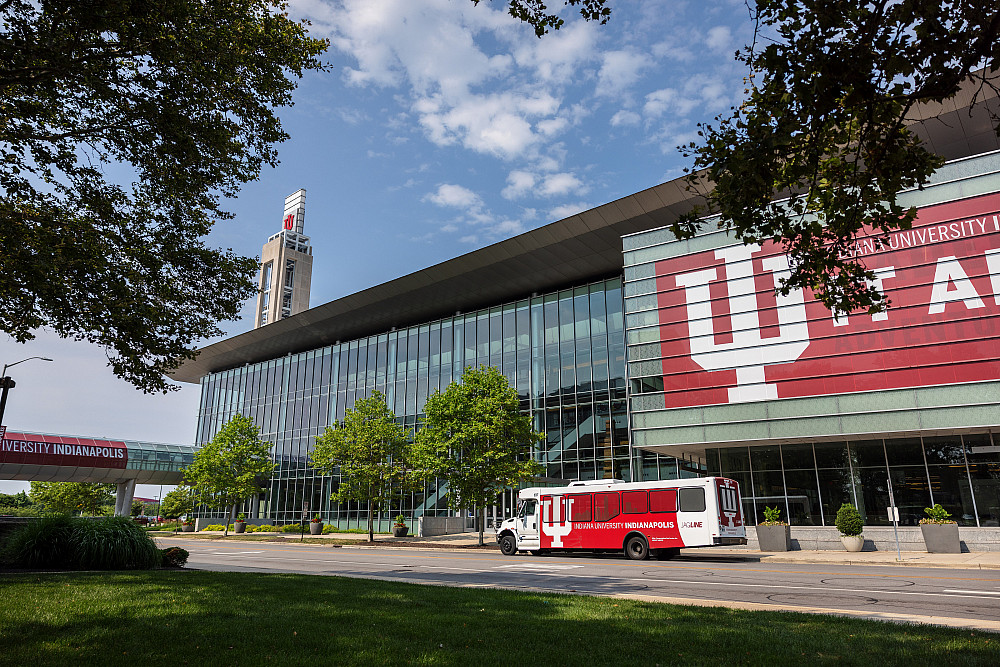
{"x": 555, "y": 523}
{"x": 748, "y": 352}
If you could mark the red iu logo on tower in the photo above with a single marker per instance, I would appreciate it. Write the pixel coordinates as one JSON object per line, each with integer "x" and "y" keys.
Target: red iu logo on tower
{"x": 289, "y": 221}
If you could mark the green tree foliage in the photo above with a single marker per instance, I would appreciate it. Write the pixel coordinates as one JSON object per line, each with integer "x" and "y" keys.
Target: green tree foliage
{"x": 179, "y": 98}
{"x": 177, "y": 503}
{"x": 68, "y": 497}
{"x": 476, "y": 437}
{"x": 370, "y": 449}
{"x": 830, "y": 88}
{"x": 231, "y": 467}
{"x": 16, "y": 500}
{"x": 535, "y": 13}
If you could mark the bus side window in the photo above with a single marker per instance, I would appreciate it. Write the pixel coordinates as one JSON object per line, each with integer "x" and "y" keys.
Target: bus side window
{"x": 555, "y": 513}
{"x": 691, "y": 499}
{"x": 634, "y": 502}
{"x": 579, "y": 507}
{"x": 606, "y": 506}
{"x": 663, "y": 500}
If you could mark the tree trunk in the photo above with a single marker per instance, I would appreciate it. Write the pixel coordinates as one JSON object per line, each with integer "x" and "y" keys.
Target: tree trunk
{"x": 371, "y": 522}
{"x": 482, "y": 523}
{"x": 232, "y": 513}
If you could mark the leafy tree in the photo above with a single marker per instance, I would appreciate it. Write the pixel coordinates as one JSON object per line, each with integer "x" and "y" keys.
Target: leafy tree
{"x": 228, "y": 470}
{"x": 830, "y": 88}
{"x": 179, "y": 98}
{"x": 476, "y": 437}
{"x": 534, "y": 13}
{"x": 15, "y": 500}
{"x": 68, "y": 497}
{"x": 370, "y": 449}
{"x": 177, "y": 503}
{"x": 136, "y": 508}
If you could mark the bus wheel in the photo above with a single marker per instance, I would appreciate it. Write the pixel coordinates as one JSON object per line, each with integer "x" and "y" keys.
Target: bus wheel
{"x": 508, "y": 545}
{"x": 636, "y": 548}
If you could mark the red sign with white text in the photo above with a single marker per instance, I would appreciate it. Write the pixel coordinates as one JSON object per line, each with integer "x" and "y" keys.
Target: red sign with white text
{"x": 54, "y": 450}
{"x": 726, "y": 337}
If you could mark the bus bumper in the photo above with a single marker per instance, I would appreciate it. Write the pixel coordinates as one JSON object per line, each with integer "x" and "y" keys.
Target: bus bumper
{"x": 728, "y": 541}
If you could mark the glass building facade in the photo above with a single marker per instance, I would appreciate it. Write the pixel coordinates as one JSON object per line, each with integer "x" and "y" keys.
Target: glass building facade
{"x": 564, "y": 352}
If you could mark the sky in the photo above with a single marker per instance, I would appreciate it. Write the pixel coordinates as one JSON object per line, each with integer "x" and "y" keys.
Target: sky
{"x": 439, "y": 127}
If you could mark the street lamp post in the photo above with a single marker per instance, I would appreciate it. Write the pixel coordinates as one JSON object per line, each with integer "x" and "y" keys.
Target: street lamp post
{"x": 8, "y": 383}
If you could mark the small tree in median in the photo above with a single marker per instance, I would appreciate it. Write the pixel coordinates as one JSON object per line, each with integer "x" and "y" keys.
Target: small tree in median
{"x": 227, "y": 470}
{"x": 369, "y": 447}
{"x": 177, "y": 503}
{"x": 477, "y": 438}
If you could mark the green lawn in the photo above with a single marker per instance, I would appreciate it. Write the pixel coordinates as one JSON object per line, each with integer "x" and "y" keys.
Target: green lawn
{"x": 205, "y": 618}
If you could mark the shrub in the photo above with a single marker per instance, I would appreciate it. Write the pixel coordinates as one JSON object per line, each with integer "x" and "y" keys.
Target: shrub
{"x": 849, "y": 522}
{"x": 937, "y": 514}
{"x": 772, "y": 517}
{"x": 114, "y": 543}
{"x": 41, "y": 544}
{"x": 261, "y": 529}
{"x": 8, "y": 510}
{"x": 173, "y": 557}
{"x": 62, "y": 542}
{"x": 214, "y": 526}
{"x": 293, "y": 528}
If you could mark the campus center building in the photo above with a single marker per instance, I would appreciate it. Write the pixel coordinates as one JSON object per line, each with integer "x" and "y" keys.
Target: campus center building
{"x": 642, "y": 357}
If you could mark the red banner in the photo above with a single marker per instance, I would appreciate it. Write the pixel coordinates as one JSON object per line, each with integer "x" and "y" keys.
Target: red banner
{"x": 727, "y": 338}
{"x": 54, "y": 450}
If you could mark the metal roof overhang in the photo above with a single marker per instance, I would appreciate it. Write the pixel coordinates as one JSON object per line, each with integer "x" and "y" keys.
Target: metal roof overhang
{"x": 586, "y": 246}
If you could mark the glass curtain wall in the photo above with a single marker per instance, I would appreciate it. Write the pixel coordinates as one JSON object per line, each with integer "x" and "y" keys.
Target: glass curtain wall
{"x": 810, "y": 481}
{"x": 564, "y": 352}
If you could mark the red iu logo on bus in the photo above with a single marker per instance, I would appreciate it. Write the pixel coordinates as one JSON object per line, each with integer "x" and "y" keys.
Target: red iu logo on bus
{"x": 289, "y": 221}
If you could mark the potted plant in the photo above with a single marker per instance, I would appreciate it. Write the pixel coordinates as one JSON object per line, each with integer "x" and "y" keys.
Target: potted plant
{"x": 399, "y": 527}
{"x": 773, "y": 534}
{"x": 850, "y": 524}
{"x": 940, "y": 532}
{"x": 241, "y": 524}
{"x": 316, "y": 526}
{"x": 187, "y": 526}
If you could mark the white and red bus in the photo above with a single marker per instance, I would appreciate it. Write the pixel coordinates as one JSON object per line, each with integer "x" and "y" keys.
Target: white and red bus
{"x": 639, "y": 518}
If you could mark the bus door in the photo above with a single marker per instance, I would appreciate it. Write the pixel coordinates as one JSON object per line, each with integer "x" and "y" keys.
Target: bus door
{"x": 527, "y": 516}
{"x": 692, "y": 518}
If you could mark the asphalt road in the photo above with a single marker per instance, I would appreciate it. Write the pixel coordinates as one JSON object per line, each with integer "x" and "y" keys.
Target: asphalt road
{"x": 964, "y": 598}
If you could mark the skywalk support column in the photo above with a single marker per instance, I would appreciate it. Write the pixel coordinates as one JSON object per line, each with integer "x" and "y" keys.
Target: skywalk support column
{"x": 123, "y": 497}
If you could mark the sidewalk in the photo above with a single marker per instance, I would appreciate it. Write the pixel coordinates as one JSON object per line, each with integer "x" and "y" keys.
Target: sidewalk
{"x": 984, "y": 560}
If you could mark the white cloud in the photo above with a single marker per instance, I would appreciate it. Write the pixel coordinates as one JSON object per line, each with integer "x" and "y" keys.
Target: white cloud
{"x": 625, "y": 117}
{"x": 454, "y": 196}
{"x": 658, "y": 101}
{"x": 619, "y": 70}
{"x": 519, "y": 183}
{"x": 719, "y": 38}
{"x": 557, "y": 185}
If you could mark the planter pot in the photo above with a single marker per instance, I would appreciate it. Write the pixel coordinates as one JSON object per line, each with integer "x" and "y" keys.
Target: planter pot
{"x": 853, "y": 542}
{"x": 774, "y": 538}
{"x": 941, "y": 538}
{"x": 315, "y": 527}
{"x": 239, "y": 527}
{"x": 400, "y": 531}
{"x": 188, "y": 528}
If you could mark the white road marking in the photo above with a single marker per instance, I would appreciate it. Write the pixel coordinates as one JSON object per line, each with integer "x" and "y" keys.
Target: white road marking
{"x": 536, "y": 566}
{"x": 973, "y": 592}
{"x": 233, "y": 553}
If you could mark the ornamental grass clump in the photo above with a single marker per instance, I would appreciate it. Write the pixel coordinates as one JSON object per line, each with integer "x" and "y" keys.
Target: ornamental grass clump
{"x": 849, "y": 521}
{"x": 115, "y": 543}
{"x": 62, "y": 542}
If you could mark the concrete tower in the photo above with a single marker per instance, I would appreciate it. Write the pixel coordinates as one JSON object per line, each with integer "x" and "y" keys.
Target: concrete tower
{"x": 285, "y": 266}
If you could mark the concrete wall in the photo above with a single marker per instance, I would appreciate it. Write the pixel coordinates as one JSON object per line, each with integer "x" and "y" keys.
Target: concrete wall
{"x": 881, "y": 538}
{"x": 428, "y": 526}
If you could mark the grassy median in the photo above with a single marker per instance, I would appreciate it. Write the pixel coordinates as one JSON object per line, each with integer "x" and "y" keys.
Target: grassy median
{"x": 207, "y": 618}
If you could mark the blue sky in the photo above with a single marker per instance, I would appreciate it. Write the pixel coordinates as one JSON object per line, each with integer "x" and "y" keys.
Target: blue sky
{"x": 441, "y": 127}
